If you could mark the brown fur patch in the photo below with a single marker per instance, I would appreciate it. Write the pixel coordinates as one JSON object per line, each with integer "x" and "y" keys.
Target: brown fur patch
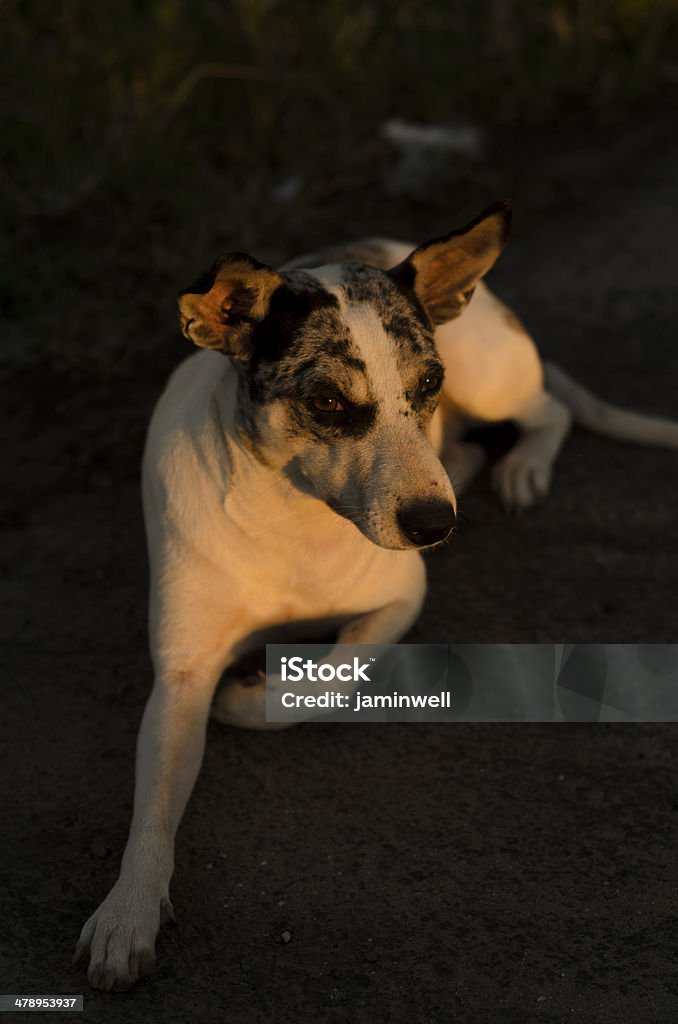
{"x": 219, "y": 310}
{"x": 447, "y": 269}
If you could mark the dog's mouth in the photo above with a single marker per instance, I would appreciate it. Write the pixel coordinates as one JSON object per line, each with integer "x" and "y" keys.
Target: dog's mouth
{"x": 433, "y": 545}
{"x": 352, "y": 513}
{"x": 410, "y": 546}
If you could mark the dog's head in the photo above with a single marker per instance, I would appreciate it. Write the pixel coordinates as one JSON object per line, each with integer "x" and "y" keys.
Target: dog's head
{"x": 339, "y": 373}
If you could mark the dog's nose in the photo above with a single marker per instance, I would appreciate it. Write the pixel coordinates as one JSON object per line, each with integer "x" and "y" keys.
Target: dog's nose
{"x": 427, "y": 521}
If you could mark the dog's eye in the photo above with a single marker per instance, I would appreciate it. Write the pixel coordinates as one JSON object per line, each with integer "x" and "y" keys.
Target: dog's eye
{"x": 429, "y": 383}
{"x": 325, "y": 403}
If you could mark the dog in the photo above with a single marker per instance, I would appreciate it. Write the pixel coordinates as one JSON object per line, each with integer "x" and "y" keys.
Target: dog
{"x": 294, "y": 470}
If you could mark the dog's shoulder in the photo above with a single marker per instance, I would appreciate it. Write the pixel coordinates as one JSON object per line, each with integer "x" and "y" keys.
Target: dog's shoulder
{"x": 190, "y": 390}
{"x": 193, "y": 415}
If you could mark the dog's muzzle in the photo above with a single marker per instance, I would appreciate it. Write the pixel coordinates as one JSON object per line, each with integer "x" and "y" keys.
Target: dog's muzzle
{"x": 426, "y": 522}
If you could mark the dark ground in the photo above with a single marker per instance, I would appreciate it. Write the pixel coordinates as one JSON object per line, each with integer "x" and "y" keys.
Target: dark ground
{"x": 433, "y": 874}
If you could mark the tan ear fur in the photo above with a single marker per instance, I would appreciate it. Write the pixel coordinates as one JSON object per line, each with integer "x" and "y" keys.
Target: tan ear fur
{"x": 444, "y": 272}
{"x": 220, "y": 309}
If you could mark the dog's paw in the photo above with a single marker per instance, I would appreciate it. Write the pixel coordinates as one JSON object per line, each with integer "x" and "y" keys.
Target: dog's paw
{"x": 120, "y": 937}
{"x": 521, "y": 479}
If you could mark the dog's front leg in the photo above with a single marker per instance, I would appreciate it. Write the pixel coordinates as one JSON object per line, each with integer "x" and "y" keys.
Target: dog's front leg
{"x": 383, "y": 626}
{"x": 523, "y": 475}
{"x": 121, "y": 934}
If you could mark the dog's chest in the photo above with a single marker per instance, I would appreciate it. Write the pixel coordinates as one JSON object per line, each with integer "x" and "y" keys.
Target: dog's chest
{"x": 334, "y": 575}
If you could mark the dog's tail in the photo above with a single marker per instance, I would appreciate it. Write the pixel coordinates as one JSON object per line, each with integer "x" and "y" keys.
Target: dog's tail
{"x": 591, "y": 412}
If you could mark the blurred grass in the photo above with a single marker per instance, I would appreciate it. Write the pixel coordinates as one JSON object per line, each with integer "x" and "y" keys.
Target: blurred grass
{"x": 138, "y": 135}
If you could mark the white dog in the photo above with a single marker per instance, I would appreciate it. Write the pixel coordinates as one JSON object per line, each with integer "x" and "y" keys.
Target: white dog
{"x": 291, "y": 477}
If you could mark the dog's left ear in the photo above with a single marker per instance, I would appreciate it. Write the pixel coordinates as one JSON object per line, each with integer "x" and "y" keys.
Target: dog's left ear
{"x": 444, "y": 272}
{"x": 220, "y": 310}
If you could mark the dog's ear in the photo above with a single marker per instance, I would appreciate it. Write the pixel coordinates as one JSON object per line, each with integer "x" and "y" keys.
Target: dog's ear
{"x": 221, "y": 308}
{"x": 444, "y": 272}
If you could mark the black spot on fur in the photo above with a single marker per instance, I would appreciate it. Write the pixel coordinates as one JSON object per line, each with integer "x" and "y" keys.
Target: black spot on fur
{"x": 396, "y": 306}
{"x": 290, "y": 311}
{"x": 405, "y": 332}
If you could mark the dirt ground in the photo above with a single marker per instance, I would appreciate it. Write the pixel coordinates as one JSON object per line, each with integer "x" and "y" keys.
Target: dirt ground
{"x": 473, "y": 874}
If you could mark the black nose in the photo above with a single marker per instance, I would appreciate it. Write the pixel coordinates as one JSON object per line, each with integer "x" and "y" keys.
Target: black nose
{"x": 427, "y": 521}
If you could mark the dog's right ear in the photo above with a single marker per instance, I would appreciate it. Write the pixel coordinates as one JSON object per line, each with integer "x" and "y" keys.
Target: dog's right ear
{"x": 443, "y": 273}
{"x": 220, "y": 310}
